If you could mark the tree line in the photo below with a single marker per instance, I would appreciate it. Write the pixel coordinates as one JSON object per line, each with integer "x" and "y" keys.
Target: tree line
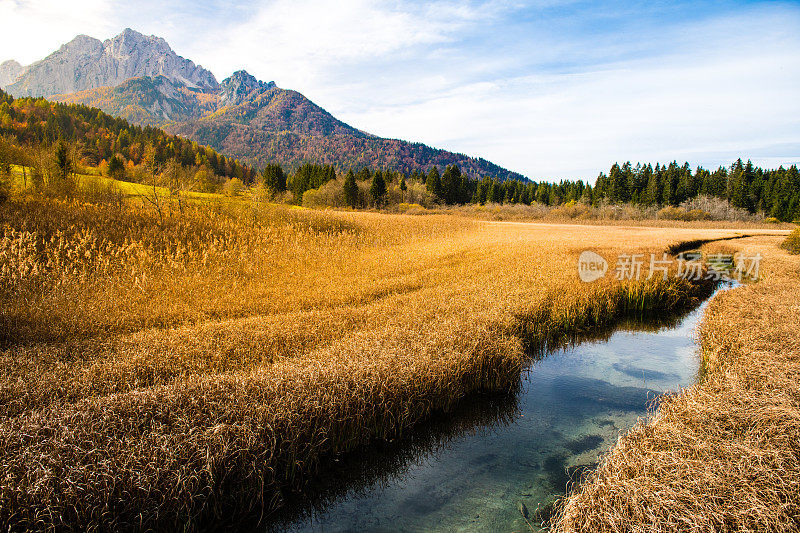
{"x": 775, "y": 193}
{"x": 34, "y": 129}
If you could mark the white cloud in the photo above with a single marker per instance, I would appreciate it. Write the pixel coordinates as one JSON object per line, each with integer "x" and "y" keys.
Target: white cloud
{"x": 32, "y": 29}
{"x": 576, "y": 125}
{"x": 728, "y": 89}
{"x": 299, "y": 42}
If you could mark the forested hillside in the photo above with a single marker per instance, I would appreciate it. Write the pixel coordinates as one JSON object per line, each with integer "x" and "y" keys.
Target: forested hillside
{"x": 343, "y": 150}
{"x": 29, "y": 125}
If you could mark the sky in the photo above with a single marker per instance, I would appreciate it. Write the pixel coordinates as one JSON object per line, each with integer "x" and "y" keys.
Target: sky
{"x": 552, "y": 89}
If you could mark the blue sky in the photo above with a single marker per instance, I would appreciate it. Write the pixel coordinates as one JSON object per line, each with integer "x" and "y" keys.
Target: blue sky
{"x": 553, "y": 89}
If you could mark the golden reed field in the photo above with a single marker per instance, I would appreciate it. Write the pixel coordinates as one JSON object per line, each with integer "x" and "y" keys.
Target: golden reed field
{"x": 723, "y": 455}
{"x": 170, "y": 374}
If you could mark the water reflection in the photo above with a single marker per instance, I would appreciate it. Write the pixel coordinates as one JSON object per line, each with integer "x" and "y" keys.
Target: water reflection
{"x": 473, "y": 469}
{"x": 385, "y": 463}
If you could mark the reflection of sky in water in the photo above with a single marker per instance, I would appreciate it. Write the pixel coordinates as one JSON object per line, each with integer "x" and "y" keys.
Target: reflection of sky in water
{"x": 573, "y": 405}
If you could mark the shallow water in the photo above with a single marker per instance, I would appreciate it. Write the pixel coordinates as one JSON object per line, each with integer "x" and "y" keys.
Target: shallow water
{"x": 471, "y": 469}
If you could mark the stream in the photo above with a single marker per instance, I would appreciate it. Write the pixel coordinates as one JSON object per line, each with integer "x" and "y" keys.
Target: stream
{"x": 470, "y": 470}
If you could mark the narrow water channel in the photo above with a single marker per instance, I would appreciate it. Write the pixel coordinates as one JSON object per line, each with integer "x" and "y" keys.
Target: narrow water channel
{"x": 471, "y": 469}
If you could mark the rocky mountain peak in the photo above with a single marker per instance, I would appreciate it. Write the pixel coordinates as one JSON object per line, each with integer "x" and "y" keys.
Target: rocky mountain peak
{"x": 140, "y": 78}
{"x": 87, "y": 63}
{"x": 131, "y": 42}
{"x": 240, "y": 86}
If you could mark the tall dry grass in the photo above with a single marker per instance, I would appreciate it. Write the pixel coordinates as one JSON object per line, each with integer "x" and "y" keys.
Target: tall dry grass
{"x": 177, "y": 372}
{"x": 723, "y": 455}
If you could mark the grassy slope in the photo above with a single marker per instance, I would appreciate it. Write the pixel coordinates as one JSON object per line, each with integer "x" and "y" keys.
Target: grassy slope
{"x": 723, "y": 455}
{"x": 91, "y": 177}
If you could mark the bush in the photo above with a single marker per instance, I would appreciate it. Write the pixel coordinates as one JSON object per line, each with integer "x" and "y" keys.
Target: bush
{"x": 699, "y": 214}
{"x": 233, "y": 187}
{"x": 5, "y": 185}
{"x": 331, "y": 194}
{"x": 100, "y": 191}
{"x": 411, "y": 209}
{"x": 716, "y": 209}
{"x": 673, "y": 213}
{"x": 571, "y": 209}
{"x": 681, "y": 213}
{"x": 792, "y": 242}
{"x": 415, "y": 193}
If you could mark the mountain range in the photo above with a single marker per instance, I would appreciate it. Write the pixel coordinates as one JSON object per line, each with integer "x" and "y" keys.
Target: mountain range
{"x": 140, "y": 78}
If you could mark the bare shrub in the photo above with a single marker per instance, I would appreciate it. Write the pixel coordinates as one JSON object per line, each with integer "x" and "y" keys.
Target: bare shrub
{"x": 713, "y": 208}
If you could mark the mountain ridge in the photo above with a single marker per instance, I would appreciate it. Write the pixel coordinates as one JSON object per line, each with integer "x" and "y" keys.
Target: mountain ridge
{"x": 141, "y": 79}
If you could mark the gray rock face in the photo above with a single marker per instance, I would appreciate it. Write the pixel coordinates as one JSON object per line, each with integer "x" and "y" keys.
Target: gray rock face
{"x": 87, "y": 63}
{"x": 131, "y": 54}
{"x": 9, "y": 72}
{"x": 240, "y": 87}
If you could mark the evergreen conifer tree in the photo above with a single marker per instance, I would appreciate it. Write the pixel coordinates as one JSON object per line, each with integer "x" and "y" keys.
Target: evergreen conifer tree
{"x": 350, "y": 189}
{"x": 378, "y": 189}
{"x": 434, "y": 182}
{"x": 451, "y": 185}
{"x": 274, "y": 178}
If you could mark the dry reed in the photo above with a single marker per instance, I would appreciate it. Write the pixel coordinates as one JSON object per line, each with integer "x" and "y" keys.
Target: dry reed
{"x": 723, "y": 455}
{"x": 163, "y": 374}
